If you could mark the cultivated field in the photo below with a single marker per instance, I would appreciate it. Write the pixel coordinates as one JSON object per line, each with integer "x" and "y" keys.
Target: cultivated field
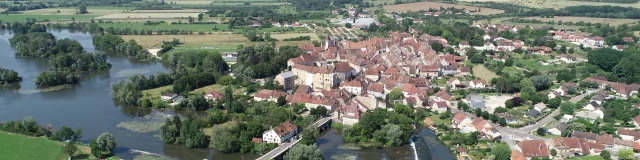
{"x": 149, "y": 15}
{"x": 52, "y": 18}
{"x": 610, "y": 21}
{"x": 293, "y": 35}
{"x": 70, "y": 11}
{"x": 401, "y": 8}
{"x": 217, "y": 42}
{"x": 555, "y": 3}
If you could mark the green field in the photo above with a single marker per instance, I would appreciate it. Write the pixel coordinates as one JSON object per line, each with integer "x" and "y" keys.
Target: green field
{"x": 15, "y": 146}
{"x": 483, "y": 73}
{"x": 194, "y": 27}
{"x": 156, "y": 92}
{"x": 23, "y": 17}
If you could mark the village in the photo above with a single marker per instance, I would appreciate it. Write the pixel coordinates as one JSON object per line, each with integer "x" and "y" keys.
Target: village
{"x": 349, "y": 79}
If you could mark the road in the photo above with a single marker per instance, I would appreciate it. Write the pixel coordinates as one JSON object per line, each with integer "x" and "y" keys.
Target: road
{"x": 508, "y": 134}
{"x": 283, "y": 147}
{"x": 278, "y": 151}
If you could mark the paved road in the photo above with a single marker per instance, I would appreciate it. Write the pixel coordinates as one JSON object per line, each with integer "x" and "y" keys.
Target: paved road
{"x": 508, "y": 134}
{"x": 283, "y": 147}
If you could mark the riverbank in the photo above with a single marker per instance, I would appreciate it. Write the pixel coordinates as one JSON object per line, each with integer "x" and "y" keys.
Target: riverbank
{"x": 17, "y": 146}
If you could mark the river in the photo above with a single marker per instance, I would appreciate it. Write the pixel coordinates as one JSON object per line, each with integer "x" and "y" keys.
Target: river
{"x": 89, "y": 106}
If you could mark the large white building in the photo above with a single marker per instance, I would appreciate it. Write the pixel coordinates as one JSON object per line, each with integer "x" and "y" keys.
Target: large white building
{"x": 280, "y": 133}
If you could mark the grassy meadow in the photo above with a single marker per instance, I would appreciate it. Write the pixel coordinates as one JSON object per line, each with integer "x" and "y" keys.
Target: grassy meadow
{"x": 17, "y": 146}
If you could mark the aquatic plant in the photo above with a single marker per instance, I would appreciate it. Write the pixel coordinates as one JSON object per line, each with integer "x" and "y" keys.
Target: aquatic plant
{"x": 147, "y": 124}
{"x": 343, "y": 156}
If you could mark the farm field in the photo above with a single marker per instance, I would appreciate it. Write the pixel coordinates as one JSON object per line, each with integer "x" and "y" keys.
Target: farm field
{"x": 401, "y": 8}
{"x": 293, "y": 35}
{"x": 556, "y": 4}
{"x": 541, "y": 25}
{"x": 52, "y": 18}
{"x": 15, "y": 146}
{"x": 611, "y": 21}
{"x": 194, "y": 27}
{"x": 216, "y": 42}
{"x": 149, "y": 15}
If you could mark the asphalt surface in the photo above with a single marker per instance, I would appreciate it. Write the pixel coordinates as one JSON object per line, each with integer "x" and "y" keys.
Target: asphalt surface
{"x": 509, "y": 135}
{"x": 283, "y": 147}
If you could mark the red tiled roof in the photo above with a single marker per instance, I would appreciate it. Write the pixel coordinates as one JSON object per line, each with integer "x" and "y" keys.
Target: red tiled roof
{"x": 268, "y": 94}
{"x": 534, "y": 148}
{"x": 284, "y": 128}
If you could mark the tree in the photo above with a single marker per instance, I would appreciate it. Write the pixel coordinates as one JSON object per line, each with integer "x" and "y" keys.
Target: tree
{"x": 306, "y": 152}
{"x": 69, "y": 149}
{"x": 508, "y": 62}
{"x": 437, "y": 47}
{"x": 106, "y": 143}
{"x": 508, "y": 103}
{"x": 605, "y": 58}
{"x": 319, "y": 111}
{"x": 281, "y": 101}
{"x": 626, "y": 154}
{"x": 541, "y": 82}
{"x": 78, "y": 135}
{"x": 554, "y": 103}
{"x": 348, "y": 25}
{"x": 541, "y": 132}
{"x": 485, "y": 115}
{"x": 503, "y": 122}
{"x": 472, "y": 139}
{"x": 478, "y": 112}
{"x": 605, "y": 155}
{"x": 477, "y": 58}
{"x": 395, "y": 94}
{"x": 554, "y": 152}
{"x": 501, "y": 152}
{"x": 309, "y": 136}
{"x": 82, "y": 9}
{"x": 567, "y": 108}
{"x": 565, "y": 75}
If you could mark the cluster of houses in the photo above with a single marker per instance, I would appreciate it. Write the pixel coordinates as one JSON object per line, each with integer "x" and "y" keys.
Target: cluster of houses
{"x": 577, "y": 143}
{"x": 465, "y": 124}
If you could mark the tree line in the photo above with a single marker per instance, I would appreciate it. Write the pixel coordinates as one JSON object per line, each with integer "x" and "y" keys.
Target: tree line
{"x": 262, "y": 61}
{"x": 8, "y": 76}
{"x": 129, "y": 92}
{"x": 112, "y": 43}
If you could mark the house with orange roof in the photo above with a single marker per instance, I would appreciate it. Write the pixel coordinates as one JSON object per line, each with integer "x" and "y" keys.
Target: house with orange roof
{"x": 280, "y": 133}
{"x": 268, "y": 95}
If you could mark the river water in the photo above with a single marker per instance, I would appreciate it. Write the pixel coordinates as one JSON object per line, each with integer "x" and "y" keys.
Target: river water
{"x": 89, "y": 106}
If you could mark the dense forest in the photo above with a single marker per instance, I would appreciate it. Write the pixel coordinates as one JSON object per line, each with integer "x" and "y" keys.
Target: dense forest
{"x": 263, "y": 61}
{"x": 8, "y": 76}
{"x": 113, "y": 43}
{"x": 620, "y": 66}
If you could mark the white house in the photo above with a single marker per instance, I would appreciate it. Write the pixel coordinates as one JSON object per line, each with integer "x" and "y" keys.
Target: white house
{"x": 477, "y": 84}
{"x": 354, "y": 87}
{"x": 489, "y": 46}
{"x": 540, "y": 106}
{"x": 213, "y": 96}
{"x": 280, "y": 133}
{"x": 460, "y": 120}
{"x": 486, "y": 37}
{"x": 168, "y": 96}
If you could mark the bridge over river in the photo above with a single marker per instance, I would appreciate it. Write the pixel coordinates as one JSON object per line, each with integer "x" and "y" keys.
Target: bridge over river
{"x": 278, "y": 153}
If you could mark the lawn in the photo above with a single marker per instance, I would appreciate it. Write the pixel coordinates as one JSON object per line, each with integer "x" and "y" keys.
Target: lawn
{"x": 483, "y": 73}
{"x": 217, "y": 88}
{"x": 15, "y": 146}
{"x": 215, "y": 42}
{"x": 156, "y": 92}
